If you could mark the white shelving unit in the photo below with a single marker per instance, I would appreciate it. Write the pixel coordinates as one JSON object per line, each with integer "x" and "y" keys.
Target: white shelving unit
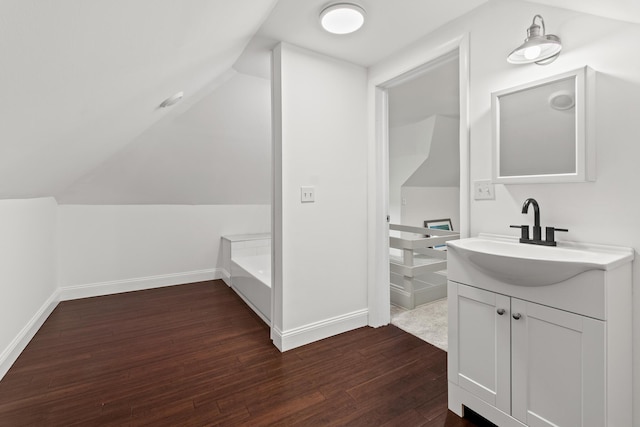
{"x": 418, "y": 271}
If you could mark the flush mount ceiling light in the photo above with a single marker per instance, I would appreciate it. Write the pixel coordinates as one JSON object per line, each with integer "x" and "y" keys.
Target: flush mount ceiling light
{"x": 342, "y": 18}
{"x": 538, "y": 47}
{"x": 172, "y": 100}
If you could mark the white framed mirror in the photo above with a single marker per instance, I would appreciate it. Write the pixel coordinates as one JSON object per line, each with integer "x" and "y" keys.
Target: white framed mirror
{"x": 542, "y": 130}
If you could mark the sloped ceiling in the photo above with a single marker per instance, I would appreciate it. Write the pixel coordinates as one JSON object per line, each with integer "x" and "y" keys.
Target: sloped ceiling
{"x": 81, "y": 82}
{"x": 217, "y": 152}
{"x": 442, "y": 166}
{"x": 621, "y": 10}
{"x": 81, "y": 79}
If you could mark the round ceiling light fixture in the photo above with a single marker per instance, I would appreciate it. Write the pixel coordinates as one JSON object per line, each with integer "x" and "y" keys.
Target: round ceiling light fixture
{"x": 342, "y": 18}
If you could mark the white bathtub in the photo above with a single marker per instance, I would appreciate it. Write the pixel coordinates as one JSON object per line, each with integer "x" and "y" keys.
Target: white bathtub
{"x": 249, "y": 267}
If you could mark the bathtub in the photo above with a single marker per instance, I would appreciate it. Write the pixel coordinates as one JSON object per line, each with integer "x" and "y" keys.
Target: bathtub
{"x": 247, "y": 259}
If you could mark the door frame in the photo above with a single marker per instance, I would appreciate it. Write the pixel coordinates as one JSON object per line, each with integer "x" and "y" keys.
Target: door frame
{"x": 378, "y": 206}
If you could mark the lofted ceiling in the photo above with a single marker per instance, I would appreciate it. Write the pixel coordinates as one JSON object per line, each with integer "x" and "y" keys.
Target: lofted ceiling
{"x": 81, "y": 82}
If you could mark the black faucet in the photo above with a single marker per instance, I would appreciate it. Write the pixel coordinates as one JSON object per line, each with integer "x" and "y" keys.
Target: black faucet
{"x": 537, "y": 230}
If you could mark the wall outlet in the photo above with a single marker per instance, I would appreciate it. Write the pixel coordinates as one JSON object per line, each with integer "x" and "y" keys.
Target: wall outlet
{"x": 307, "y": 194}
{"x": 483, "y": 190}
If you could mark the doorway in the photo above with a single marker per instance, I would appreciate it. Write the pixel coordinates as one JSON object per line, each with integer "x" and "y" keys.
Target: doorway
{"x": 385, "y": 207}
{"x": 424, "y": 192}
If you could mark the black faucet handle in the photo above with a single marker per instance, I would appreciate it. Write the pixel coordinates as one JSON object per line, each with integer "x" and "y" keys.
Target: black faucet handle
{"x": 524, "y": 231}
{"x": 550, "y": 233}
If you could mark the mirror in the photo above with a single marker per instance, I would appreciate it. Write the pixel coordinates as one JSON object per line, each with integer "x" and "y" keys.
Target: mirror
{"x": 541, "y": 132}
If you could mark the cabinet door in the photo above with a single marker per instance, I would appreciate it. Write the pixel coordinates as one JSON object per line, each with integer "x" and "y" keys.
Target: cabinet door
{"x": 479, "y": 354}
{"x": 558, "y": 367}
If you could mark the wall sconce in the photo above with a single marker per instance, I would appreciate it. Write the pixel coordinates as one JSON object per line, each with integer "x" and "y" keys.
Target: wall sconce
{"x": 538, "y": 47}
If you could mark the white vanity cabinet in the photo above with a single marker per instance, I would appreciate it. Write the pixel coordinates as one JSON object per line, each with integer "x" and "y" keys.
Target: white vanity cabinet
{"x": 553, "y": 355}
{"x": 479, "y": 344}
{"x": 557, "y": 367}
{"x": 542, "y": 365}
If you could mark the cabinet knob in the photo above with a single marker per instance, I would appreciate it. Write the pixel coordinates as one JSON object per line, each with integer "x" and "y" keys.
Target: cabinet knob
{"x": 500, "y": 311}
{"x": 517, "y": 316}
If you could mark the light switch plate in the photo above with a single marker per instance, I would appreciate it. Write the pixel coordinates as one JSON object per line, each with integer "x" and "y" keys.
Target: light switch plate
{"x": 483, "y": 190}
{"x": 307, "y": 194}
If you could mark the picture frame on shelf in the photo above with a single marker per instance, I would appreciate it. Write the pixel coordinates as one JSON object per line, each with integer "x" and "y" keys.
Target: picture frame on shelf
{"x": 439, "y": 224}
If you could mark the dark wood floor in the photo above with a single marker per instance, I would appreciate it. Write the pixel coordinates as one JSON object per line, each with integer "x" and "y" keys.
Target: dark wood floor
{"x": 196, "y": 355}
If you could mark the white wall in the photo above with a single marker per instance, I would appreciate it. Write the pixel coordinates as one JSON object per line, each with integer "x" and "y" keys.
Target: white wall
{"x": 27, "y": 271}
{"x": 320, "y": 130}
{"x": 105, "y": 249}
{"x": 442, "y": 167}
{"x": 217, "y": 151}
{"x": 433, "y": 189}
{"x": 605, "y": 211}
{"x": 409, "y": 147}
{"x": 431, "y": 203}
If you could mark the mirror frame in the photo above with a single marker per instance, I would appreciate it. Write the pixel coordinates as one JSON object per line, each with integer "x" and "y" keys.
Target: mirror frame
{"x": 584, "y": 79}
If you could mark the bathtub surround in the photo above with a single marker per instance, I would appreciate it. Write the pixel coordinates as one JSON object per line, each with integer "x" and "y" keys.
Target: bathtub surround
{"x": 247, "y": 270}
{"x": 258, "y": 241}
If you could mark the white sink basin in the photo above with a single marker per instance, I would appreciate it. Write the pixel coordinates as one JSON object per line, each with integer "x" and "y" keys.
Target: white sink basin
{"x": 521, "y": 264}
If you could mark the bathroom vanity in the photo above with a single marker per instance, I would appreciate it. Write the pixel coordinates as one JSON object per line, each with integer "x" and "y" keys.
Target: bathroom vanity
{"x": 540, "y": 336}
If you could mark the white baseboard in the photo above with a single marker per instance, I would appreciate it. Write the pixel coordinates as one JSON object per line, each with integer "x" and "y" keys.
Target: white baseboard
{"x": 138, "y": 284}
{"x": 10, "y": 354}
{"x": 287, "y": 340}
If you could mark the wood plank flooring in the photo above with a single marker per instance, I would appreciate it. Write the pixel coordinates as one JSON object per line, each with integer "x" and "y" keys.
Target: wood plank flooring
{"x": 196, "y": 355}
